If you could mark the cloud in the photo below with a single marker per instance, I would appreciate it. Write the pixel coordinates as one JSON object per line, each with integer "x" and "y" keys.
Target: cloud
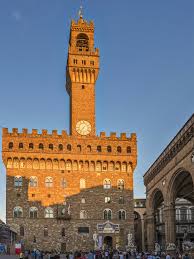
{"x": 16, "y": 15}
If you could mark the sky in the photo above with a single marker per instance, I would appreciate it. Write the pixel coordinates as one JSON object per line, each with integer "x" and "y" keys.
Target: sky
{"x": 146, "y": 75}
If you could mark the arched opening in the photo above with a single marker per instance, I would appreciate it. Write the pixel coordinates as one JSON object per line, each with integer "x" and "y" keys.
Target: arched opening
{"x": 82, "y": 42}
{"x": 108, "y": 242}
{"x": 181, "y": 194}
{"x": 138, "y": 231}
{"x": 159, "y": 224}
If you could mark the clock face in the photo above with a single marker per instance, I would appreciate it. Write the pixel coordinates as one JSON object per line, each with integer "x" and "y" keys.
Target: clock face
{"x": 83, "y": 127}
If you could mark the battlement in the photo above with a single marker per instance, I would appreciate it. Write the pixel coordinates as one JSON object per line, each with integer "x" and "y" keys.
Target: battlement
{"x": 82, "y": 25}
{"x": 44, "y": 133}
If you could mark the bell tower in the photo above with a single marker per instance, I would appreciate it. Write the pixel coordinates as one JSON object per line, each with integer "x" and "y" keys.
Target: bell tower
{"x": 81, "y": 75}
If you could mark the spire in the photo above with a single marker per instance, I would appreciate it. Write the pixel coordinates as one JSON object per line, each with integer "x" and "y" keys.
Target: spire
{"x": 80, "y": 13}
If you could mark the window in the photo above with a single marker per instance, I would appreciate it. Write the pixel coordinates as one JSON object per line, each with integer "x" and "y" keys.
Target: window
{"x": 89, "y": 149}
{"x": 63, "y": 183}
{"x": 10, "y": 145}
{"x": 18, "y": 181}
{"x": 83, "y": 62}
{"x": 122, "y": 214}
{"x": 121, "y": 184}
{"x": 83, "y": 86}
{"x": 82, "y": 183}
{"x": 21, "y": 145}
{"x": 33, "y": 181}
{"x": 49, "y": 182}
{"x": 17, "y": 212}
{"x": 183, "y": 214}
{"x": 109, "y": 149}
{"x": 49, "y": 195}
{"x": 107, "y": 184}
{"x": 21, "y": 231}
{"x": 69, "y": 147}
{"x": 31, "y": 146}
{"x": 107, "y": 199}
{"x": 79, "y": 148}
{"x": 119, "y": 149}
{"x": 121, "y": 200}
{"x": 33, "y": 212}
{"x": 92, "y": 62}
{"x": 41, "y": 146}
{"x": 107, "y": 214}
{"x": 51, "y": 146}
{"x": 83, "y": 200}
{"x": 98, "y": 166}
{"x": 83, "y": 230}
{"x": 45, "y": 231}
{"x": 128, "y": 149}
{"x": 75, "y": 61}
{"x": 60, "y": 147}
{"x": 63, "y": 232}
{"x": 49, "y": 213}
{"x": 68, "y": 165}
{"x": 83, "y": 214}
{"x": 99, "y": 149}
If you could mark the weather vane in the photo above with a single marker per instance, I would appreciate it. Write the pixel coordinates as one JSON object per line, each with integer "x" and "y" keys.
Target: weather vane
{"x": 80, "y": 13}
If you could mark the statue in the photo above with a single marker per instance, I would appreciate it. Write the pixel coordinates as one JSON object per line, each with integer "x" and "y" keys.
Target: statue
{"x": 68, "y": 210}
{"x": 130, "y": 239}
{"x": 157, "y": 247}
{"x": 95, "y": 238}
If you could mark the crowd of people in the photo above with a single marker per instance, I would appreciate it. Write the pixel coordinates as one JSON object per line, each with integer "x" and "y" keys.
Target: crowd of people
{"x": 107, "y": 254}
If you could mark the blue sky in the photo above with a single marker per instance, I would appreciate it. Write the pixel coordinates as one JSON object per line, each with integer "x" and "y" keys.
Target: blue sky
{"x": 145, "y": 83}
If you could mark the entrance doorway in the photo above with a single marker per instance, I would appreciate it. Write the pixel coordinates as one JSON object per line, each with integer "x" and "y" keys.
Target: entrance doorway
{"x": 107, "y": 242}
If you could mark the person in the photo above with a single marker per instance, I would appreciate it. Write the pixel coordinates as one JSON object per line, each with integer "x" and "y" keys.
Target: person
{"x": 168, "y": 256}
{"x": 186, "y": 256}
{"x": 21, "y": 255}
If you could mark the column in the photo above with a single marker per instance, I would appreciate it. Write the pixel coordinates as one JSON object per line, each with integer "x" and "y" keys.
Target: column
{"x": 170, "y": 224}
{"x": 142, "y": 234}
{"x": 150, "y": 231}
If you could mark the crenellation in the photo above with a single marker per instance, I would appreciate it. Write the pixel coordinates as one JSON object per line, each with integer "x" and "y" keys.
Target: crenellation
{"x": 34, "y": 132}
{"x": 113, "y": 135}
{"x": 123, "y": 136}
{"x": 54, "y": 133}
{"x": 24, "y": 132}
{"x": 102, "y": 134}
{"x": 15, "y": 131}
{"x": 44, "y": 132}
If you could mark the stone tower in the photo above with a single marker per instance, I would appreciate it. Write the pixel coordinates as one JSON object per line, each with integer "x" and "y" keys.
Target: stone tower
{"x": 72, "y": 191}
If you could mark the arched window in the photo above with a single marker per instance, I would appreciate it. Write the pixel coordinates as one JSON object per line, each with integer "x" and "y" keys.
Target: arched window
{"x": 21, "y": 145}
{"x": 107, "y": 214}
{"x": 107, "y": 184}
{"x": 99, "y": 149}
{"x": 68, "y": 165}
{"x": 10, "y": 145}
{"x": 41, "y": 146}
{"x": 45, "y": 231}
{"x": 89, "y": 148}
{"x": 82, "y": 183}
{"x": 128, "y": 149}
{"x": 121, "y": 200}
{"x": 82, "y": 42}
{"x": 49, "y": 181}
{"x": 31, "y": 146}
{"x": 63, "y": 232}
{"x": 33, "y": 212}
{"x": 18, "y": 181}
{"x": 63, "y": 183}
{"x": 122, "y": 214}
{"x": 119, "y": 149}
{"x": 69, "y": 147}
{"x": 49, "y": 213}
{"x": 33, "y": 181}
{"x": 121, "y": 184}
{"x": 60, "y": 147}
{"x": 109, "y": 149}
{"x": 124, "y": 167}
{"x": 21, "y": 231}
{"x": 51, "y": 146}
{"x": 79, "y": 148}
{"x": 83, "y": 214}
{"x": 98, "y": 166}
{"x": 17, "y": 212}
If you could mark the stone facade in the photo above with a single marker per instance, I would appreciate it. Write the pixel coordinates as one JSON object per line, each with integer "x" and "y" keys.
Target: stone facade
{"x": 168, "y": 180}
{"x": 64, "y": 189}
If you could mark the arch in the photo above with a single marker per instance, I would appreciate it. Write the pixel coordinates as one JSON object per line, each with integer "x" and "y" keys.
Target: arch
{"x": 22, "y": 162}
{"x": 128, "y": 149}
{"x": 10, "y": 146}
{"x": 56, "y": 164}
{"x": 79, "y": 148}
{"x": 48, "y": 181}
{"x": 98, "y": 166}
{"x": 107, "y": 214}
{"x": 119, "y": 149}
{"x": 111, "y": 166}
{"x": 86, "y": 166}
{"x": 121, "y": 184}
{"x": 107, "y": 184}
{"x": 118, "y": 166}
{"x": 89, "y": 148}
{"x": 109, "y": 149}
{"x": 33, "y": 212}
{"x": 17, "y": 212}
{"x": 92, "y": 166}
{"x": 9, "y": 162}
{"x": 124, "y": 167}
{"x": 68, "y": 147}
{"x": 35, "y": 163}
{"x": 60, "y": 147}
{"x": 41, "y": 146}
{"x": 68, "y": 165}
{"x": 29, "y": 163}
{"x": 48, "y": 213}
{"x": 51, "y": 146}
{"x": 156, "y": 198}
{"x": 129, "y": 167}
{"x": 81, "y": 165}
{"x": 33, "y": 181}
{"x": 99, "y": 149}
{"x": 18, "y": 182}
{"x": 82, "y": 42}
{"x": 31, "y": 146}
{"x": 82, "y": 183}
{"x": 16, "y": 162}
{"x": 105, "y": 166}
{"x": 62, "y": 164}
{"x": 42, "y": 163}
{"x": 83, "y": 214}
{"x": 75, "y": 165}
{"x": 21, "y": 145}
{"x": 49, "y": 164}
